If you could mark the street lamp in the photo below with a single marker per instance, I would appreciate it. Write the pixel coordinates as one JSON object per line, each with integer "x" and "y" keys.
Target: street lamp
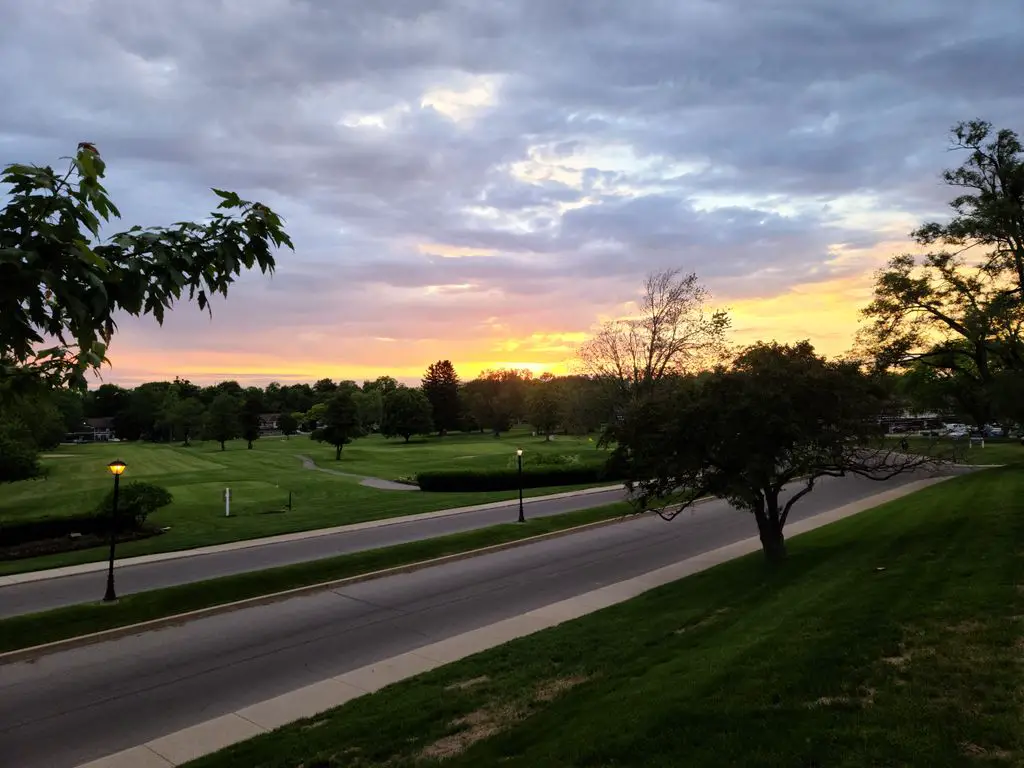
{"x": 519, "y": 459}
{"x": 116, "y": 468}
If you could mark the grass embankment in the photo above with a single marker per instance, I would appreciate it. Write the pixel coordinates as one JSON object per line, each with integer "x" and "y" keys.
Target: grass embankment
{"x": 891, "y": 638}
{"x": 260, "y": 481}
{"x": 73, "y": 621}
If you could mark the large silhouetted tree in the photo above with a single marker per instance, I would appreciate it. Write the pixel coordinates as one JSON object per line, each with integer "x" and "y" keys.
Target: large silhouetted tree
{"x": 339, "y": 423}
{"x": 759, "y": 434}
{"x": 441, "y": 386}
{"x": 407, "y": 412}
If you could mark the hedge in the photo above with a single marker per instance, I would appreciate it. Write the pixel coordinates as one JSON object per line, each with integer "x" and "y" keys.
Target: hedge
{"x": 456, "y": 480}
{"x": 136, "y": 501}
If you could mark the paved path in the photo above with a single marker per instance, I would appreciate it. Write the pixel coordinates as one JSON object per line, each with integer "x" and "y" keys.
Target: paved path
{"x": 369, "y": 482}
{"x": 86, "y": 584}
{"x": 108, "y": 697}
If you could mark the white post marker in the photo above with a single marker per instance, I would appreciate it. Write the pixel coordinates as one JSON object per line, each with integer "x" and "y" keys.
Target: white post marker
{"x": 227, "y": 502}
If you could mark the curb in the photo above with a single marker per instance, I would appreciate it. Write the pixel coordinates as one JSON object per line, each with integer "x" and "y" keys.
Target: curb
{"x": 25, "y": 577}
{"x": 37, "y": 651}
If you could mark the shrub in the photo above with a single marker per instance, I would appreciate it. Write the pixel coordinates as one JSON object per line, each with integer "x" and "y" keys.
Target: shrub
{"x": 18, "y": 455}
{"x": 461, "y": 480}
{"x": 137, "y": 500}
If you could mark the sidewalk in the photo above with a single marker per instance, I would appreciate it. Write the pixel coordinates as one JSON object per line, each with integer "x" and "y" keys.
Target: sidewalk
{"x": 74, "y": 570}
{"x": 204, "y": 738}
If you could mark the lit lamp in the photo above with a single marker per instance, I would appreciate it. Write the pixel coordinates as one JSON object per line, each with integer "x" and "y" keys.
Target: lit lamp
{"x": 519, "y": 459}
{"x": 116, "y": 468}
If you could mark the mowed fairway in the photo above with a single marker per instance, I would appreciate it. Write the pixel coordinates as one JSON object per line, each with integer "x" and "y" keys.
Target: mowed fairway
{"x": 998, "y": 451}
{"x": 260, "y": 480}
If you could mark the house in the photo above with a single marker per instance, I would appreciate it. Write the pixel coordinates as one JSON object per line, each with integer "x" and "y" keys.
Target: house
{"x": 102, "y": 428}
{"x": 268, "y": 424}
{"x": 92, "y": 430}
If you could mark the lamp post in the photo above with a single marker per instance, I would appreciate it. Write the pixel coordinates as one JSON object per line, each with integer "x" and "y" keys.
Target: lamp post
{"x": 116, "y": 468}
{"x": 519, "y": 459}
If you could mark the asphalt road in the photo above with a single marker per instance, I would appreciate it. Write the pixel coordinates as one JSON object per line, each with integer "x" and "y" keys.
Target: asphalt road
{"x": 67, "y": 708}
{"x": 89, "y": 587}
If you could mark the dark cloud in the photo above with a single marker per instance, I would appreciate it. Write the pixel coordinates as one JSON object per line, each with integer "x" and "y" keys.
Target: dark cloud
{"x": 559, "y": 150}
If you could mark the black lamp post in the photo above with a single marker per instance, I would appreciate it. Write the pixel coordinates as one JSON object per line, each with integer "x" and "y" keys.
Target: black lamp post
{"x": 519, "y": 459}
{"x": 116, "y": 468}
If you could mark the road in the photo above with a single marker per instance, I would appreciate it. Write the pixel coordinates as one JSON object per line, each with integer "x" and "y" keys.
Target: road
{"x": 70, "y": 707}
{"x": 88, "y": 587}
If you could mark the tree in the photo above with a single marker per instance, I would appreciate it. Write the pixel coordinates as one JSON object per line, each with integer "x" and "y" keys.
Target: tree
{"x": 407, "y": 412}
{"x": 186, "y": 417}
{"x": 543, "y": 407}
{"x": 339, "y": 424}
{"x": 223, "y": 419}
{"x": 585, "y": 404}
{"x": 59, "y": 280}
{"x": 674, "y": 333}
{"x": 441, "y": 386}
{"x": 959, "y": 309}
{"x": 288, "y": 424}
{"x": 178, "y": 416}
{"x": 382, "y": 384}
{"x": 106, "y": 401}
{"x": 323, "y": 389}
{"x": 252, "y": 407}
{"x": 19, "y": 456}
{"x": 759, "y": 434}
{"x": 497, "y": 399}
{"x": 370, "y": 404}
{"x": 71, "y": 405}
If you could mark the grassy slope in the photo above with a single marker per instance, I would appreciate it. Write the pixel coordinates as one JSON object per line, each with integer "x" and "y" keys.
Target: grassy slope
{"x": 260, "y": 480}
{"x": 73, "y": 621}
{"x": 892, "y": 638}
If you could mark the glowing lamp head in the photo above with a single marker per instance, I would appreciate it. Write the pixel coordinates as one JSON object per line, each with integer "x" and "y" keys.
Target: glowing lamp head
{"x": 519, "y": 451}
{"x": 117, "y": 467}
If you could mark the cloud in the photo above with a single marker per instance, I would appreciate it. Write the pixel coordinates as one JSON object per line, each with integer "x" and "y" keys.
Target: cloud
{"x": 471, "y": 180}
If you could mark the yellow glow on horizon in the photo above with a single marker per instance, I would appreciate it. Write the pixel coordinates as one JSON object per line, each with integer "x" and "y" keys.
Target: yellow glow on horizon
{"x": 825, "y": 311}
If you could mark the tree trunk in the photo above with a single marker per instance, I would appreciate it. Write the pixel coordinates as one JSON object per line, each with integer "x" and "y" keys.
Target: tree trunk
{"x": 407, "y": 438}
{"x": 222, "y": 445}
{"x": 337, "y": 453}
{"x": 250, "y": 445}
{"x": 769, "y": 528}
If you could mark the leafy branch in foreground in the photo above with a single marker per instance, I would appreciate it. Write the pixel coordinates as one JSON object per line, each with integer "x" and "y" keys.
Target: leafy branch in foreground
{"x": 61, "y": 283}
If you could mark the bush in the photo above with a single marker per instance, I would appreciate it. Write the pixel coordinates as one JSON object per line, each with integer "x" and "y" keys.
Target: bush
{"x": 18, "y": 455}
{"x": 137, "y": 500}
{"x": 461, "y": 480}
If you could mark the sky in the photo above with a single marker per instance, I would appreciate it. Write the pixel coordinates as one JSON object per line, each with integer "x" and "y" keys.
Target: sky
{"x": 486, "y": 181}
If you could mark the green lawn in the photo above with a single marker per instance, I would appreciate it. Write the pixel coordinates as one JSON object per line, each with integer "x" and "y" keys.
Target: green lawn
{"x": 76, "y": 620}
{"x": 260, "y": 481}
{"x": 999, "y": 451}
{"x": 893, "y": 638}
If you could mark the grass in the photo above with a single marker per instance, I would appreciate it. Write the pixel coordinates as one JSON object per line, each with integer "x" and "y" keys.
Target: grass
{"x": 892, "y": 638}
{"x": 998, "y": 451}
{"x": 260, "y": 481}
{"x": 73, "y": 621}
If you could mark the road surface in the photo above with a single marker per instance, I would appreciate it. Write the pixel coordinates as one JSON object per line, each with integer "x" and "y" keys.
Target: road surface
{"x": 89, "y": 587}
{"x": 74, "y": 706}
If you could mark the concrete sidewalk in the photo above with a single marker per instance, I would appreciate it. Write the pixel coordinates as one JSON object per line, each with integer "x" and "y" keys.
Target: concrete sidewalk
{"x": 180, "y": 747}
{"x": 74, "y": 570}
